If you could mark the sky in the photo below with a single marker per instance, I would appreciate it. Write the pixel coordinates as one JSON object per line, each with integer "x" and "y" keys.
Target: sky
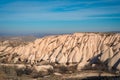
{"x": 59, "y": 16}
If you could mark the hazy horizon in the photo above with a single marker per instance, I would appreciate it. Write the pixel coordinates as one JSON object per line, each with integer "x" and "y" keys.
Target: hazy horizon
{"x": 59, "y": 16}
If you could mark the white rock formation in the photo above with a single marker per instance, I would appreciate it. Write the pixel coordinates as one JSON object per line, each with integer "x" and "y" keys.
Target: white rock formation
{"x": 73, "y": 48}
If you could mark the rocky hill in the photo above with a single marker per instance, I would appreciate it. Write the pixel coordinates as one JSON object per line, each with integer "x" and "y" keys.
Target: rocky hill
{"x": 78, "y": 48}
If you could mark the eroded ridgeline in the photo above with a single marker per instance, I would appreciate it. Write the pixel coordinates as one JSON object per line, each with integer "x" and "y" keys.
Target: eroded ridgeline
{"x": 78, "y": 48}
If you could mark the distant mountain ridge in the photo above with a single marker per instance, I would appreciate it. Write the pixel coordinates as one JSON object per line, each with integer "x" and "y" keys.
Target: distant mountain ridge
{"x": 39, "y": 35}
{"x": 27, "y": 34}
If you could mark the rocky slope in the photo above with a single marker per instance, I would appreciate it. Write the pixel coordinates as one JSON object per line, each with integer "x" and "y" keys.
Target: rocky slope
{"x": 77, "y": 48}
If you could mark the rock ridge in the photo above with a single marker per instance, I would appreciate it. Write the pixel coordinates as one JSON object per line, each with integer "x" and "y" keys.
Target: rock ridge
{"x": 80, "y": 48}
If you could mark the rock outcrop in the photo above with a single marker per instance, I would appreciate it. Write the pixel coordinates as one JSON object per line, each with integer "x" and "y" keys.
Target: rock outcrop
{"x": 77, "y": 48}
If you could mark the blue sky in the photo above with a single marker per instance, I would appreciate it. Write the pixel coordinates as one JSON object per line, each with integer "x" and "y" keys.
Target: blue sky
{"x": 59, "y": 16}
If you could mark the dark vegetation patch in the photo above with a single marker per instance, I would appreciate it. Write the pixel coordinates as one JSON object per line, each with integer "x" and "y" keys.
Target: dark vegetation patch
{"x": 65, "y": 69}
{"x": 10, "y": 72}
{"x": 97, "y": 78}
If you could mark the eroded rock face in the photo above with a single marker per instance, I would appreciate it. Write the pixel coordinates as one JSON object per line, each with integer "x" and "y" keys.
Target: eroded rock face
{"x": 74, "y": 48}
{"x": 114, "y": 62}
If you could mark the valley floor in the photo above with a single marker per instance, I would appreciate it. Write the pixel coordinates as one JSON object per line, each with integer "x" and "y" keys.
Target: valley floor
{"x": 9, "y": 73}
